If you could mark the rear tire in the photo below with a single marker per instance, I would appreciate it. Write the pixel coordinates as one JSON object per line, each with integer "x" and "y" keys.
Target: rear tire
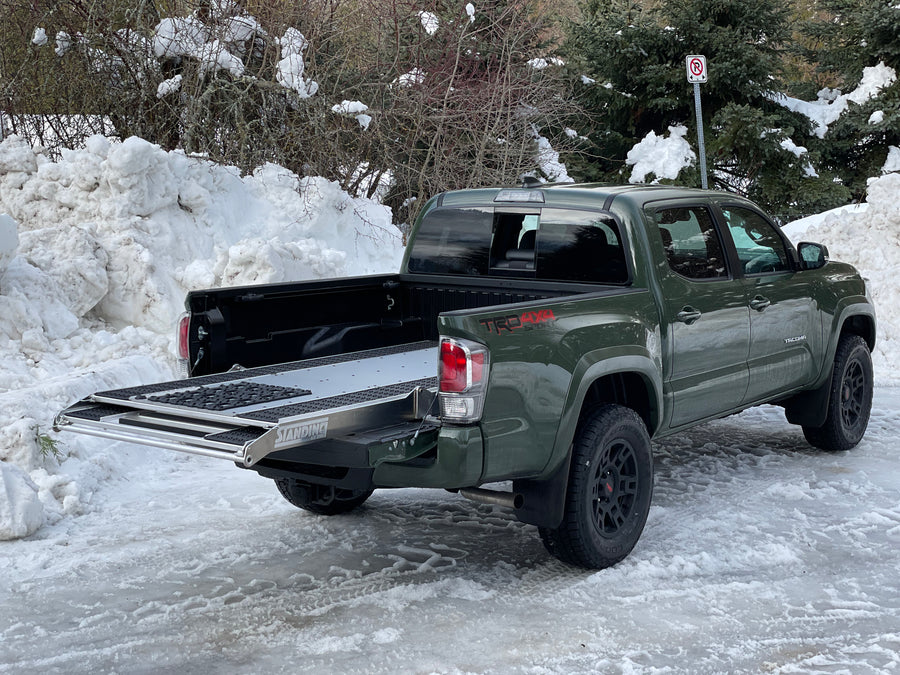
{"x": 324, "y": 500}
{"x": 850, "y": 398}
{"x": 609, "y": 491}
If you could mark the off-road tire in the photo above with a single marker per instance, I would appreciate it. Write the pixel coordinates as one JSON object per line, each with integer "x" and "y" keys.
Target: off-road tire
{"x": 324, "y": 500}
{"x": 850, "y": 398}
{"x": 609, "y": 491}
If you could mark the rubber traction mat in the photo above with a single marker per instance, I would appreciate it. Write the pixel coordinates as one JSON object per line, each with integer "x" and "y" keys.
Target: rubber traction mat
{"x": 97, "y": 412}
{"x": 365, "y": 396}
{"x": 237, "y": 436}
{"x": 227, "y": 396}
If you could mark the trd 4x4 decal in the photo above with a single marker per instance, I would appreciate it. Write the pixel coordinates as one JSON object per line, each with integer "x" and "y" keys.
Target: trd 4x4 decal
{"x": 513, "y": 322}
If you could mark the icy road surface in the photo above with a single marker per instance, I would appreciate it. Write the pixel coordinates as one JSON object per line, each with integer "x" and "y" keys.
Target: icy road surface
{"x": 760, "y": 555}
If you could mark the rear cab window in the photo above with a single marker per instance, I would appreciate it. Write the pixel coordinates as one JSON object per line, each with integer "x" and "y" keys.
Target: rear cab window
{"x": 546, "y": 243}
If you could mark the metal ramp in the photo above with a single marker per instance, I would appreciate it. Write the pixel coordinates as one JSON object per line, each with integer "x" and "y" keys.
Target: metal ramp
{"x": 245, "y": 415}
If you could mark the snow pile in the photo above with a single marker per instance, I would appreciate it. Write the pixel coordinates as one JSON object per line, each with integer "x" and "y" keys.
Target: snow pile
{"x": 869, "y": 239}
{"x": 831, "y": 103}
{"x": 109, "y": 240}
{"x": 662, "y": 156}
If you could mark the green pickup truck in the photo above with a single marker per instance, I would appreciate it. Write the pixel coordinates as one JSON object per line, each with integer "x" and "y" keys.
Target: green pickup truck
{"x": 538, "y": 338}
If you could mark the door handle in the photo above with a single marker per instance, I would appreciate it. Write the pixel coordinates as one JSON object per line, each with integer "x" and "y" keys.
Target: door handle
{"x": 688, "y": 315}
{"x": 759, "y": 303}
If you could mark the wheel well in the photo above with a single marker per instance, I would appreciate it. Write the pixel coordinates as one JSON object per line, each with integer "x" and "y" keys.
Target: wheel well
{"x": 860, "y": 325}
{"x": 627, "y": 389}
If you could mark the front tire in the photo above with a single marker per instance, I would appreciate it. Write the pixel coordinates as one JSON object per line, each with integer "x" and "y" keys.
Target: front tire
{"x": 324, "y": 500}
{"x": 850, "y": 398}
{"x": 609, "y": 491}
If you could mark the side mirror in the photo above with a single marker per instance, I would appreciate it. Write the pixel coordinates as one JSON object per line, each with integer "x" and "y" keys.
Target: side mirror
{"x": 812, "y": 256}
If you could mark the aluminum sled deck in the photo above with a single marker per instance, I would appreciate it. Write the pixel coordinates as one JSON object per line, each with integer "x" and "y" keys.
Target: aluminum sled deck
{"x": 244, "y": 415}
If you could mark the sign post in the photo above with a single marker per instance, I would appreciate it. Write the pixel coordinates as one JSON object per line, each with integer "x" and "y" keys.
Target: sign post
{"x": 697, "y": 73}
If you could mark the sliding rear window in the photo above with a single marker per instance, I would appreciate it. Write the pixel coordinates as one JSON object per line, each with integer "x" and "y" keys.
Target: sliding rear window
{"x": 548, "y": 244}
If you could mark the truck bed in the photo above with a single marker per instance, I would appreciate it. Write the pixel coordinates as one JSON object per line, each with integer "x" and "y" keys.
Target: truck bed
{"x": 246, "y": 415}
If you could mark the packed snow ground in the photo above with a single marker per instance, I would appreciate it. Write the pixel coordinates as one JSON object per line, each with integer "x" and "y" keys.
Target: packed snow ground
{"x": 760, "y": 553}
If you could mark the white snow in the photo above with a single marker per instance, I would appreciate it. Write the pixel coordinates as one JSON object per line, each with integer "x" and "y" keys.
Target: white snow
{"x": 177, "y": 37}
{"x": 289, "y": 70}
{"x": 63, "y": 43}
{"x": 869, "y": 239}
{"x": 292, "y": 42}
{"x": 239, "y": 30}
{"x": 21, "y": 513}
{"x": 548, "y": 160}
{"x": 541, "y": 63}
{"x": 892, "y": 163}
{"x": 410, "y": 79}
{"x": 347, "y": 107}
{"x": 39, "y": 37}
{"x": 430, "y": 22}
{"x": 470, "y": 11}
{"x": 831, "y": 104}
{"x": 108, "y": 242}
{"x": 9, "y": 241}
{"x": 169, "y": 86}
{"x": 798, "y": 151}
{"x": 876, "y": 117}
{"x": 662, "y": 156}
{"x": 760, "y": 554}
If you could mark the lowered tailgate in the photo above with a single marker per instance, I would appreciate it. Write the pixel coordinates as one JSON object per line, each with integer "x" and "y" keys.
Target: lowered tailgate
{"x": 246, "y": 415}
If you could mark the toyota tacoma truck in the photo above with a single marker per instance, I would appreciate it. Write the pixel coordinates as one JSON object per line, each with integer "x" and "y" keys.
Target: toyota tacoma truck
{"x": 535, "y": 340}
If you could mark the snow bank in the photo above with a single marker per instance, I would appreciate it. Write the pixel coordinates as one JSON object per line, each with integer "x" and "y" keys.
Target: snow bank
{"x": 869, "y": 239}
{"x": 92, "y": 279}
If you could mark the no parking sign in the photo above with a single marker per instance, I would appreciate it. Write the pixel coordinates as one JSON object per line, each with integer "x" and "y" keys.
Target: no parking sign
{"x": 697, "y": 74}
{"x": 696, "y": 68}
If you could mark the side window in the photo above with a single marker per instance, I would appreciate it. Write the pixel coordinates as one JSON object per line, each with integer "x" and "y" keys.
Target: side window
{"x": 759, "y": 247}
{"x": 577, "y": 245}
{"x": 692, "y": 245}
{"x": 452, "y": 241}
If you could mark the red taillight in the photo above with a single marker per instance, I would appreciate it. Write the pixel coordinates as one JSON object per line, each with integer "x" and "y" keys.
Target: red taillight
{"x": 184, "y": 325}
{"x": 464, "y": 369}
{"x": 454, "y": 367}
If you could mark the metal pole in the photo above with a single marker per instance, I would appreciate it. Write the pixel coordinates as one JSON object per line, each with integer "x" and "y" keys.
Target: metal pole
{"x": 700, "y": 140}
